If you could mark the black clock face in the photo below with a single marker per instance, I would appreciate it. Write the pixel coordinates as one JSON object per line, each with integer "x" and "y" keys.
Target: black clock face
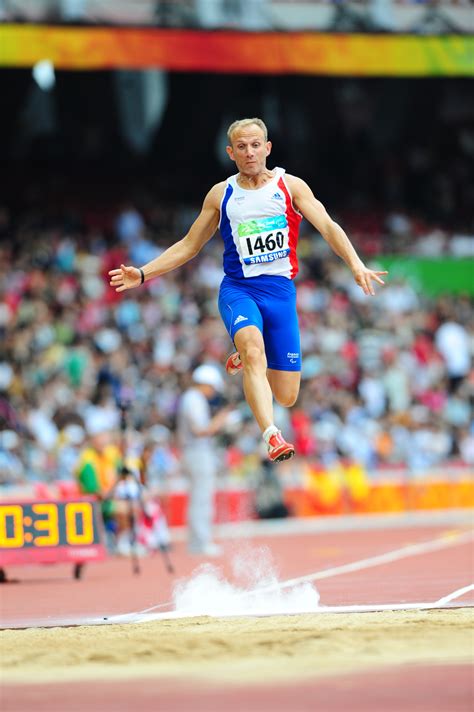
{"x": 48, "y": 524}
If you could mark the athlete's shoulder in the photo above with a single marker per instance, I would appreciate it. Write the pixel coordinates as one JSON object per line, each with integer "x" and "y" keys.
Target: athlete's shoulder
{"x": 294, "y": 180}
{"x": 297, "y": 185}
{"x": 216, "y": 193}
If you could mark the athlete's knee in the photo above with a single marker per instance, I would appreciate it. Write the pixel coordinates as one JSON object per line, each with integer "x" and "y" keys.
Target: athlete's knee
{"x": 253, "y": 356}
{"x": 286, "y": 399}
{"x": 287, "y": 394}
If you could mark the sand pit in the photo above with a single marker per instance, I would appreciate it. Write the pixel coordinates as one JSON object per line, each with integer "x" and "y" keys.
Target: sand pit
{"x": 274, "y": 648}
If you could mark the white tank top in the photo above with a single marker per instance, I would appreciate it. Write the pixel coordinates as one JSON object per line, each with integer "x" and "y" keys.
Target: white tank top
{"x": 260, "y": 229}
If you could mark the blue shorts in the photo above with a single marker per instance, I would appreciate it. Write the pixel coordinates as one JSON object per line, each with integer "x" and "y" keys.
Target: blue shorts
{"x": 269, "y": 303}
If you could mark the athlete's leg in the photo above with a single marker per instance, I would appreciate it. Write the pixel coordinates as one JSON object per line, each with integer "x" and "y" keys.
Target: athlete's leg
{"x": 285, "y": 386}
{"x": 282, "y": 346}
{"x": 243, "y": 319}
{"x": 258, "y": 394}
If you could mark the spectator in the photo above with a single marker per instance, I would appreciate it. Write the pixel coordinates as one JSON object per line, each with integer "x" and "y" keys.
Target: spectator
{"x": 97, "y": 472}
{"x": 452, "y": 342}
{"x": 12, "y": 471}
{"x": 68, "y": 348}
{"x": 196, "y": 429}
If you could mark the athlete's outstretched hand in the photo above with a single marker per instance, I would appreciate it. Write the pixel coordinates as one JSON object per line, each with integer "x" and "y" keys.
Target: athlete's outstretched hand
{"x": 125, "y": 278}
{"x": 365, "y": 278}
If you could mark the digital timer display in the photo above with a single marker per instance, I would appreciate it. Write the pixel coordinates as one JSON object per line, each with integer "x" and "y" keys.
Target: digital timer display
{"x": 64, "y": 531}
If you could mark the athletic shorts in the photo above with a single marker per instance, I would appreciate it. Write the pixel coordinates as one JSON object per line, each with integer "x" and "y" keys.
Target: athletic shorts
{"x": 269, "y": 303}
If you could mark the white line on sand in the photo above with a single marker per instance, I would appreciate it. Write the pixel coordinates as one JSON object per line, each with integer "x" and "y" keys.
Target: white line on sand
{"x": 365, "y": 608}
{"x": 361, "y": 608}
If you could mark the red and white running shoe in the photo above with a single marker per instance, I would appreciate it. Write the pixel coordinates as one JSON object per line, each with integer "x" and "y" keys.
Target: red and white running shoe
{"x": 278, "y": 448}
{"x": 233, "y": 364}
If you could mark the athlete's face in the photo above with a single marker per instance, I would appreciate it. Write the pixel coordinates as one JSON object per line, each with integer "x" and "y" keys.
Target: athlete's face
{"x": 249, "y": 150}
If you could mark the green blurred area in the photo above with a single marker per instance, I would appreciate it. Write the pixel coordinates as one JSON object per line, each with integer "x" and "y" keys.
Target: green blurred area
{"x": 432, "y": 276}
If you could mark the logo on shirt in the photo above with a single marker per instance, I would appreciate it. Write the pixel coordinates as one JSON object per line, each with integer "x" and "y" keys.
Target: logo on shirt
{"x": 239, "y": 198}
{"x": 292, "y": 356}
{"x": 277, "y": 196}
{"x": 239, "y": 319}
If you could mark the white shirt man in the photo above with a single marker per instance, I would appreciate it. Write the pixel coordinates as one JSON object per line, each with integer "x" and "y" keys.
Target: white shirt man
{"x": 452, "y": 342}
{"x": 196, "y": 428}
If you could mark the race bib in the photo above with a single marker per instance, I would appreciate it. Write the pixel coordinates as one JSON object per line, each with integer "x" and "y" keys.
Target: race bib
{"x": 264, "y": 240}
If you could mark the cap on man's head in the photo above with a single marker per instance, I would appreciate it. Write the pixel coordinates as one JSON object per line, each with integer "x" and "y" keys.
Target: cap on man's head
{"x": 208, "y": 375}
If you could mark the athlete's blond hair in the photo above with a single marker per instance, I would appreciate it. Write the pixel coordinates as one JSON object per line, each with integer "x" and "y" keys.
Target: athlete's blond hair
{"x": 242, "y": 123}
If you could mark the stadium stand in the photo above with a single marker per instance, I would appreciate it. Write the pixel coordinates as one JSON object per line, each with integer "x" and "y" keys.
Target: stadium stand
{"x": 379, "y": 385}
{"x": 422, "y": 16}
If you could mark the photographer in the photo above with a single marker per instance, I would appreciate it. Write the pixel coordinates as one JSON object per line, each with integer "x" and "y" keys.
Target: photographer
{"x": 141, "y": 525}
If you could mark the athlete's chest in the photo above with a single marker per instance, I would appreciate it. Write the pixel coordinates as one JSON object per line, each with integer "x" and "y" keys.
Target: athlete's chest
{"x": 260, "y": 226}
{"x": 245, "y": 205}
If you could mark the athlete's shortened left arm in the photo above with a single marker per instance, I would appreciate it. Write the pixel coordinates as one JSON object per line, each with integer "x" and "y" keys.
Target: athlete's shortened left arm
{"x": 315, "y": 212}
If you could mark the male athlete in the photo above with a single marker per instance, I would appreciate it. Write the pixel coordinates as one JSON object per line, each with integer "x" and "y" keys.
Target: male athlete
{"x": 258, "y": 211}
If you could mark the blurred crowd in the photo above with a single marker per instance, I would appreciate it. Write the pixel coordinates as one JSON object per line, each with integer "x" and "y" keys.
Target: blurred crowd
{"x": 387, "y": 381}
{"x": 425, "y": 16}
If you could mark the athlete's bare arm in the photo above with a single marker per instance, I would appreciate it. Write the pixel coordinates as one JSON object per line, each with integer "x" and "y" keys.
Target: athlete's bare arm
{"x": 315, "y": 212}
{"x": 200, "y": 232}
